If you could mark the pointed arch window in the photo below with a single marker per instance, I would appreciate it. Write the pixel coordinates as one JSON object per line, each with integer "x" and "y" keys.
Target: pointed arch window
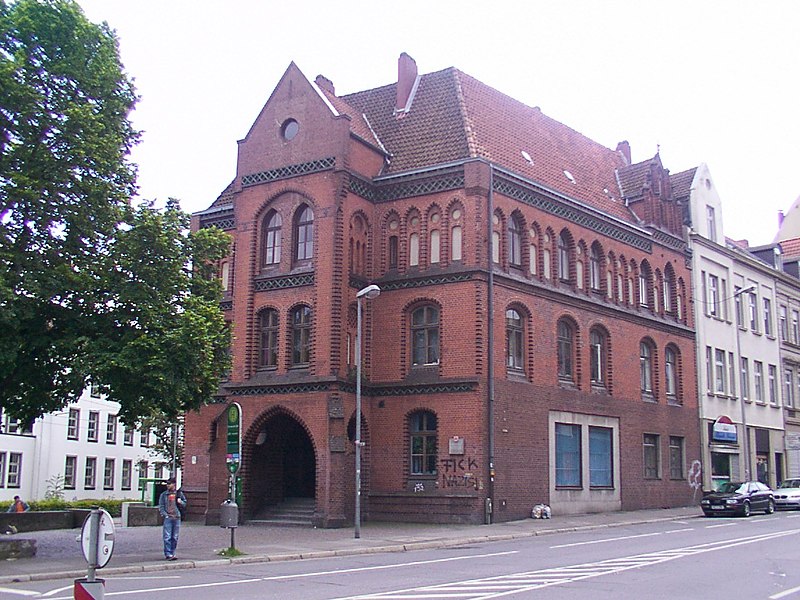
{"x": 595, "y": 266}
{"x": 423, "y": 432}
{"x": 304, "y": 234}
{"x": 272, "y": 239}
{"x": 514, "y": 341}
{"x": 646, "y": 368}
{"x": 514, "y": 242}
{"x": 599, "y": 353}
{"x": 563, "y": 257}
{"x": 671, "y": 373}
{"x": 268, "y": 339}
{"x": 566, "y": 345}
{"x": 425, "y": 335}
{"x": 301, "y": 336}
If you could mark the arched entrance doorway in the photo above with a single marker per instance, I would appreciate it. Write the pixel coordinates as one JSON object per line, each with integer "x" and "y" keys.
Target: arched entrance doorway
{"x": 282, "y": 463}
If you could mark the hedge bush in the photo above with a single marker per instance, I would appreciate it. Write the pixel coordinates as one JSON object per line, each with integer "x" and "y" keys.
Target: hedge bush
{"x": 113, "y": 506}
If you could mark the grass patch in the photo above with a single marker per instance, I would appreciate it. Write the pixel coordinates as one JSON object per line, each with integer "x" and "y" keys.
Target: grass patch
{"x": 231, "y": 552}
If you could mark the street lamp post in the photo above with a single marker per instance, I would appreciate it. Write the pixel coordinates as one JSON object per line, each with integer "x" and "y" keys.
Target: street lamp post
{"x": 745, "y": 435}
{"x": 369, "y": 292}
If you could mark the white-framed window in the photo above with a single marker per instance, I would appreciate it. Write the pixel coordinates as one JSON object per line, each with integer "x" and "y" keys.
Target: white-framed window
{"x": 767, "y": 316}
{"x": 719, "y": 371}
{"x": 3, "y": 469}
{"x": 751, "y": 302}
{"x": 671, "y": 372}
{"x": 70, "y": 468}
{"x": 144, "y": 438}
{"x": 111, "y": 429}
{"x": 745, "y": 378}
{"x": 90, "y": 473}
{"x": 713, "y": 296}
{"x": 709, "y": 369}
{"x": 711, "y": 223}
{"x": 739, "y": 307}
{"x": 73, "y": 423}
{"x": 127, "y": 474}
{"x": 14, "y": 469}
{"x": 758, "y": 380}
{"x": 795, "y": 327}
{"x": 772, "y": 377}
{"x": 127, "y": 437}
{"x": 788, "y": 387}
{"x": 731, "y": 374}
{"x": 92, "y": 426}
{"x": 784, "y": 323}
{"x": 108, "y": 474}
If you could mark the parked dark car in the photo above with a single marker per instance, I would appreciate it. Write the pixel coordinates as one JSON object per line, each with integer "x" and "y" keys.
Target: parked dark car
{"x": 739, "y": 498}
{"x": 787, "y": 496}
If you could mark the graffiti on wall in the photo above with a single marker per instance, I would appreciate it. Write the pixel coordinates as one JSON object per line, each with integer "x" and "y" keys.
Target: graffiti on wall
{"x": 695, "y": 478}
{"x": 460, "y": 472}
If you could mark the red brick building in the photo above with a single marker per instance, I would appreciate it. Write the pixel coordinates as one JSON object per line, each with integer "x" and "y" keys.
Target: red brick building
{"x": 532, "y": 341}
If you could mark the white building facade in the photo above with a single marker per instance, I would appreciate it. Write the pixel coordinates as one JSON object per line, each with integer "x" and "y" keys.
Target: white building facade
{"x": 83, "y": 450}
{"x": 738, "y": 349}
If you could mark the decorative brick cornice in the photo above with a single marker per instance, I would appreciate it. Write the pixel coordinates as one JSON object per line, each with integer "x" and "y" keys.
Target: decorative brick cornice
{"x": 223, "y": 219}
{"x": 271, "y": 390}
{"x": 396, "y": 188}
{"x": 402, "y": 284}
{"x": 447, "y": 387}
{"x": 314, "y": 166}
{"x": 280, "y": 283}
{"x": 574, "y": 214}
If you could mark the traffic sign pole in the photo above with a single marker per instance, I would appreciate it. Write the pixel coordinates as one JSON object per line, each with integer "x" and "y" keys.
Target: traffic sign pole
{"x": 97, "y": 543}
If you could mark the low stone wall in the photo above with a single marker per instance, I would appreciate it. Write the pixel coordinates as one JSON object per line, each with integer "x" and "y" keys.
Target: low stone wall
{"x": 14, "y": 547}
{"x": 143, "y": 516}
{"x": 41, "y": 520}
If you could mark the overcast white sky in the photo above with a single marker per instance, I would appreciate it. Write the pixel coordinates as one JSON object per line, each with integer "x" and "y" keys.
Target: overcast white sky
{"x": 706, "y": 81}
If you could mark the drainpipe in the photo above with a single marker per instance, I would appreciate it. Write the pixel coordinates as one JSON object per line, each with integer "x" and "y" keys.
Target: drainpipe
{"x": 490, "y": 345}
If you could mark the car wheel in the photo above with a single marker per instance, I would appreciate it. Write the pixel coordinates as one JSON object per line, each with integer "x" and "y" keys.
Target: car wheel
{"x": 746, "y": 509}
{"x": 770, "y": 507}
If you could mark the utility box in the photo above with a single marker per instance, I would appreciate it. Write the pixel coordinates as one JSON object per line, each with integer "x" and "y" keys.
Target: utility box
{"x": 228, "y": 514}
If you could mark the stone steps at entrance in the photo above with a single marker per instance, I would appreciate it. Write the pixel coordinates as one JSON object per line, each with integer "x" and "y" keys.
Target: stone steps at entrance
{"x": 292, "y": 512}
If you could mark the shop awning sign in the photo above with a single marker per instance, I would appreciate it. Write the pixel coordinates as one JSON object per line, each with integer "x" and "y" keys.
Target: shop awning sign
{"x": 724, "y": 431}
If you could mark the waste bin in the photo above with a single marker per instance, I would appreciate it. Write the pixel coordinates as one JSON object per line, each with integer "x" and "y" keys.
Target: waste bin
{"x": 228, "y": 514}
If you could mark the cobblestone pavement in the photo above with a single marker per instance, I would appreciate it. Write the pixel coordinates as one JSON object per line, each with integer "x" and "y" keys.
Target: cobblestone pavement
{"x": 139, "y": 549}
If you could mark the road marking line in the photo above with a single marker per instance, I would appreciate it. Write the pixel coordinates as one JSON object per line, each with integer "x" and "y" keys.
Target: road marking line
{"x": 617, "y": 539}
{"x": 784, "y": 593}
{"x": 720, "y": 525}
{"x": 19, "y": 592}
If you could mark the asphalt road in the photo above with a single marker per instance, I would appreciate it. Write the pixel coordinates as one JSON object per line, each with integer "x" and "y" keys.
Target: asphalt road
{"x": 696, "y": 558}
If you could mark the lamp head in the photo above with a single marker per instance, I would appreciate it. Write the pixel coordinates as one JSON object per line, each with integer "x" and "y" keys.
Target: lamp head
{"x": 369, "y": 292}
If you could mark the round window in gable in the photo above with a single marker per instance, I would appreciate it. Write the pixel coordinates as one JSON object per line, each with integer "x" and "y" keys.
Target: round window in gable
{"x": 289, "y": 129}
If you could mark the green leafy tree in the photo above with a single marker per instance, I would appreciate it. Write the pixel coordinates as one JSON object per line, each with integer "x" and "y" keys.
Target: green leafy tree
{"x": 91, "y": 288}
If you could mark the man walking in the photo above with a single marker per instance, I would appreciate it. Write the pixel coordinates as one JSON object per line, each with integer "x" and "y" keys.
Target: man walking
{"x": 170, "y": 505}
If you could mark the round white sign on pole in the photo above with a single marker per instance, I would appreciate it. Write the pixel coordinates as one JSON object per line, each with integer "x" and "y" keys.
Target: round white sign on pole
{"x": 105, "y": 538}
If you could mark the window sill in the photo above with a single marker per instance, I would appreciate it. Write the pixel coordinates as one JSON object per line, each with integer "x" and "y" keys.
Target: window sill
{"x": 648, "y": 397}
{"x": 601, "y": 487}
{"x": 569, "y": 487}
{"x": 599, "y": 388}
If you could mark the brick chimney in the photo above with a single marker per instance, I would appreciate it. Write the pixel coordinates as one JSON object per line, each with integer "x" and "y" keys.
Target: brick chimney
{"x": 624, "y": 148}
{"x": 406, "y": 83}
{"x": 326, "y": 84}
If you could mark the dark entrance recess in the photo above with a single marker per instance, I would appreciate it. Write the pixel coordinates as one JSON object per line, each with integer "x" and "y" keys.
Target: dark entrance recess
{"x": 283, "y": 465}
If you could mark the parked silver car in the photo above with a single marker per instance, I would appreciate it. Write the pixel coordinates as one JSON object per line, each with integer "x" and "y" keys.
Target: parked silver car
{"x": 787, "y": 495}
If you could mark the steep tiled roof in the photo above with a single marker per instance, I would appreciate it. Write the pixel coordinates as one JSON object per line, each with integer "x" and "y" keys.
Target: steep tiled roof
{"x": 454, "y": 117}
{"x": 790, "y": 248}
{"x": 358, "y": 124}
{"x": 632, "y": 178}
{"x": 682, "y": 182}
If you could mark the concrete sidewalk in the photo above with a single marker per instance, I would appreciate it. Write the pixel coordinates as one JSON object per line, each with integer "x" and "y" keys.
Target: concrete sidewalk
{"x": 138, "y": 549}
